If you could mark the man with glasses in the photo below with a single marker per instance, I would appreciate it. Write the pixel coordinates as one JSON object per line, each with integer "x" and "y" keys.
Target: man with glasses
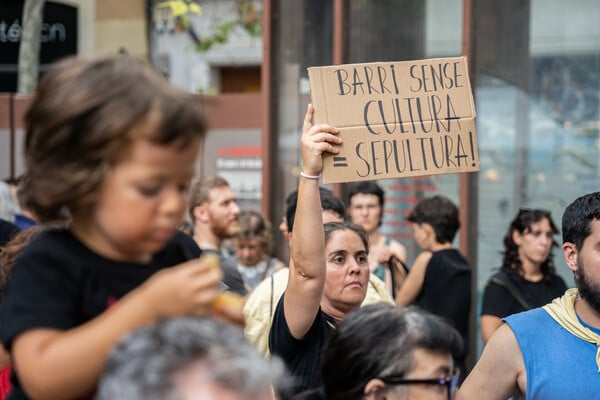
{"x": 551, "y": 352}
{"x": 385, "y": 352}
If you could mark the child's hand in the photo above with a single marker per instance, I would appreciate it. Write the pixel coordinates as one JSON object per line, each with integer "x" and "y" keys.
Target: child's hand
{"x": 316, "y": 140}
{"x": 186, "y": 289}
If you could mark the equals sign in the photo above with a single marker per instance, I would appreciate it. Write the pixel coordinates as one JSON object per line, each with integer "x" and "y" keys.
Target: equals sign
{"x": 339, "y": 162}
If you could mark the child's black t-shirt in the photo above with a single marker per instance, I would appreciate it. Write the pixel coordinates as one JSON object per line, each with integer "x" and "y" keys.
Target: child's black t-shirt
{"x": 59, "y": 283}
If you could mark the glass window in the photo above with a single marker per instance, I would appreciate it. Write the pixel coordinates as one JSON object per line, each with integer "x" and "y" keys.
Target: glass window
{"x": 537, "y": 98}
{"x": 302, "y": 37}
{"x": 386, "y": 30}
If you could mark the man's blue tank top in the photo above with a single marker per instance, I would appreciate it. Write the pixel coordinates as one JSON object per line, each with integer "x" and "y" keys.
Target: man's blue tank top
{"x": 559, "y": 365}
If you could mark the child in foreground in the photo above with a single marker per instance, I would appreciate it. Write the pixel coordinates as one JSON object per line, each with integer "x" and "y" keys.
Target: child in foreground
{"x": 110, "y": 149}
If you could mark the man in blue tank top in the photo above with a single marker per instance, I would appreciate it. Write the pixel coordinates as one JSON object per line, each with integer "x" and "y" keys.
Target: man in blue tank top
{"x": 552, "y": 352}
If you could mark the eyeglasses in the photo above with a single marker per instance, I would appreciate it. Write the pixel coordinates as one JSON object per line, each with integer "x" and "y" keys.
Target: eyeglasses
{"x": 451, "y": 382}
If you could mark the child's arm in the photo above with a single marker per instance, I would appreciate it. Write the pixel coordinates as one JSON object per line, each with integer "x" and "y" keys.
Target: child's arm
{"x": 413, "y": 283}
{"x": 54, "y": 364}
{"x": 307, "y": 265}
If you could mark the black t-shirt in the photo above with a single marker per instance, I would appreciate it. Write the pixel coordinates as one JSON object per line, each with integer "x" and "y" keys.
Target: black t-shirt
{"x": 57, "y": 282}
{"x": 499, "y": 302}
{"x": 302, "y": 357}
{"x": 7, "y": 231}
{"x": 447, "y": 289}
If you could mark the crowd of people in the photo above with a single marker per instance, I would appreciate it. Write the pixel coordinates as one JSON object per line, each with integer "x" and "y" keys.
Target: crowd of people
{"x": 123, "y": 276}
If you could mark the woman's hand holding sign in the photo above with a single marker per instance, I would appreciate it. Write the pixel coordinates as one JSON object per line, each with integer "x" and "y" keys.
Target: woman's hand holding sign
{"x": 316, "y": 140}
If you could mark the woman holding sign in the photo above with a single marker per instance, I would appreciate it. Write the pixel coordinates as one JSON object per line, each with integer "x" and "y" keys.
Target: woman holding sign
{"x": 329, "y": 269}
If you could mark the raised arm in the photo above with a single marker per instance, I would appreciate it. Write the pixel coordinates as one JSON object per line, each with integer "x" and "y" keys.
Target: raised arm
{"x": 413, "y": 283}
{"x": 307, "y": 264}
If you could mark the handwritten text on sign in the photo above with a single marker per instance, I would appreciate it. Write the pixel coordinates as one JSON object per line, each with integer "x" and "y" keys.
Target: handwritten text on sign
{"x": 397, "y": 119}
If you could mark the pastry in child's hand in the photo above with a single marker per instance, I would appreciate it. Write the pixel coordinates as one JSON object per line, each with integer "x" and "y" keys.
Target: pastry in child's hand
{"x": 211, "y": 260}
{"x": 229, "y": 305}
{"x": 229, "y": 300}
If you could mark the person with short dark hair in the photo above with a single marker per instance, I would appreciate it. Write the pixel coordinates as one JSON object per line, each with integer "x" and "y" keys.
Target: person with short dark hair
{"x": 527, "y": 278}
{"x": 551, "y": 352}
{"x": 187, "y": 359}
{"x": 387, "y": 258}
{"x": 406, "y": 353}
{"x": 333, "y": 208}
{"x": 440, "y": 278}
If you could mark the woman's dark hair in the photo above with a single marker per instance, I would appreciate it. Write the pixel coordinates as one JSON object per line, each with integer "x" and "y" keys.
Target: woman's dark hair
{"x": 329, "y": 202}
{"x": 522, "y": 224}
{"x": 379, "y": 340}
{"x": 331, "y": 227}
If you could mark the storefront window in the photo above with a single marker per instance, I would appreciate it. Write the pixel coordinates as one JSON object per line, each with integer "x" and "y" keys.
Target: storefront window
{"x": 538, "y": 123}
{"x": 302, "y": 37}
{"x": 536, "y": 82}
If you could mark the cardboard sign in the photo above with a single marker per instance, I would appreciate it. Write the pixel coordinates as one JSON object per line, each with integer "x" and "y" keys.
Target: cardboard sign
{"x": 397, "y": 119}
